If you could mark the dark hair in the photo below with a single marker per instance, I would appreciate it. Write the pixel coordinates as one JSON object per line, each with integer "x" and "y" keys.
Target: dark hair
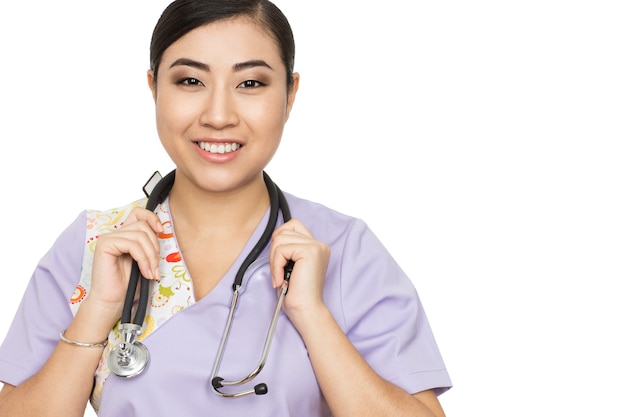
{"x": 182, "y": 16}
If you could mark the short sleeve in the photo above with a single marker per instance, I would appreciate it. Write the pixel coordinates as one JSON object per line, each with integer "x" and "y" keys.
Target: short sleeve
{"x": 44, "y": 310}
{"x": 384, "y": 317}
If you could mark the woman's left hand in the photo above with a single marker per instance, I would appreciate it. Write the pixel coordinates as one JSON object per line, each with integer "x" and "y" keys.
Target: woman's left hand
{"x": 293, "y": 241}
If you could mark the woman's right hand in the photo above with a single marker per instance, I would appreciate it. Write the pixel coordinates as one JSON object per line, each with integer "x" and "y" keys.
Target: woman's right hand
{"x": 114, "y": 252}
{"x": 65, "y": 382}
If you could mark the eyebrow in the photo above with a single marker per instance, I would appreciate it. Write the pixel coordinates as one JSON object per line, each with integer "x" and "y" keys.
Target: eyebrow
{"x": 236, "y": 67}
{"x": 190, "y": 63}
{"x": 251, "y": 64}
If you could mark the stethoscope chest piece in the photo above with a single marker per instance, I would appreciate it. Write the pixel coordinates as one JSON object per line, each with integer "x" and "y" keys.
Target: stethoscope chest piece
{"x": 130, "y": 357}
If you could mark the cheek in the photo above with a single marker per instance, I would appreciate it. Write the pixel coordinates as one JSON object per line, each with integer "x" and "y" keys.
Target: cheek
{"x": 171, "y": 115}
{"x": 163, "y": 113}
{"x": 270, "y": 116}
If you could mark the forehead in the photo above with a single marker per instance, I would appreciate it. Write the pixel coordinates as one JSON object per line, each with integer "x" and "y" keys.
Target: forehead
{"x": 229, "y": 40}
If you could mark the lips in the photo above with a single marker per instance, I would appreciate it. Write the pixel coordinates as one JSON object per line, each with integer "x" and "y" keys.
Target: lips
{"x": 219, "y": 148}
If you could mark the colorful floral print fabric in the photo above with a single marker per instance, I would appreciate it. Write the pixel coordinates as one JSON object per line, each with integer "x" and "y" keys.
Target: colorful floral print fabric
{"x": 171, "y": 294}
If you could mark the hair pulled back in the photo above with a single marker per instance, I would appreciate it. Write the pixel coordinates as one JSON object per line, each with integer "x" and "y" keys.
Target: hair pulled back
{"x": 182, "y": 16}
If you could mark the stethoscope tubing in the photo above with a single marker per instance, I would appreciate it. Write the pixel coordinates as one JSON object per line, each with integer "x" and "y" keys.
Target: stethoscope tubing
{"x": 156, "y": 197}
{"x": 277, "y": 201}
{"x": 259, "y": 389}
{"x": 130, "y": 357}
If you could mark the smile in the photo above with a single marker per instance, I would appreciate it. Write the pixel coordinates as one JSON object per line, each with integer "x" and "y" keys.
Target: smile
{"x": 219, "y": 148}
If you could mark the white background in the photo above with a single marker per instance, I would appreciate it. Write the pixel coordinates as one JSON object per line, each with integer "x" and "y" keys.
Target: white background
{"x": 482, "y": 141}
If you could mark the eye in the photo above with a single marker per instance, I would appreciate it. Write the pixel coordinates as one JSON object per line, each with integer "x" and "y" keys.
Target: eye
{"x": 250, "y": 84}
{"x": 190, "y": 81}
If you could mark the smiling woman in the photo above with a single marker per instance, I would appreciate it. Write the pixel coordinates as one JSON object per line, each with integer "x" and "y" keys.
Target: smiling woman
{"x": 223, "y": 84}
{"x": 482, "y": 141}
{"x": 227, "y": 73}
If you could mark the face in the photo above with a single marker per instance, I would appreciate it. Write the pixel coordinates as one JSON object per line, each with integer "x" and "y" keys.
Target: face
{"x": 221, "y": 103}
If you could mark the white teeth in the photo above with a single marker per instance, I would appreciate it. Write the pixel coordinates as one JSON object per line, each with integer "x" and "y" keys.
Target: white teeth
{"x": 221, "y": 148}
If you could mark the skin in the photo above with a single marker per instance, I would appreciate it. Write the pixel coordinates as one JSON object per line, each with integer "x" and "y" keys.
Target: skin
{"x": 220, "y": 83}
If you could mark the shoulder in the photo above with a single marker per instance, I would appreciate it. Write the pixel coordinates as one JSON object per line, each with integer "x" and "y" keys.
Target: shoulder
{"x": 323, "y": 221}
{"x": 345, "y": 233}
{"x": 89, "y": 223}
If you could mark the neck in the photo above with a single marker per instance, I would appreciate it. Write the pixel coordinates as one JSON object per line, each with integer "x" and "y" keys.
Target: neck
{"x": 200, "y": 211}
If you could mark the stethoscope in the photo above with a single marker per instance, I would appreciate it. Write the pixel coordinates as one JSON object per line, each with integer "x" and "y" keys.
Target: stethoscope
{"x": 130, "y": 357}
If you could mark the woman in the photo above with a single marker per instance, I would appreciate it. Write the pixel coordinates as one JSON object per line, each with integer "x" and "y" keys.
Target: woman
{"x": 352, "y": 338}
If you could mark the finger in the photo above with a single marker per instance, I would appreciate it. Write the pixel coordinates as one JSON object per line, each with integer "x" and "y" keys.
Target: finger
{"x": 294, "y": 226}
{"x": 288, "y": 236}
{"x": 140, "y": 214}
{"x": 304, "y": 251}
{"x": 290, "y": 232}
{"x": 309, "y": 271}
{"x": 139, "y": 244}
{"x": 141, "y": 226}
{"x": 278, "y": 261}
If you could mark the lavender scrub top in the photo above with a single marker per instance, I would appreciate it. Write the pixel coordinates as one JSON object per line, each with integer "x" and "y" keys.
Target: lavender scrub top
{"x": 369, "y": 295}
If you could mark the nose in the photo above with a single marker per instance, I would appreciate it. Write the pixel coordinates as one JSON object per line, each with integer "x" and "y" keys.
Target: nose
{"x": 219, "y": 108}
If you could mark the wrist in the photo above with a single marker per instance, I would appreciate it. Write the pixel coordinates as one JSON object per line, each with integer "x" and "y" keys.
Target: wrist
{"x": 103, "y": 309}
{"x": 95, "y": 320}
{"x": 72, "y": 342}
{"x": 310, "y": 318}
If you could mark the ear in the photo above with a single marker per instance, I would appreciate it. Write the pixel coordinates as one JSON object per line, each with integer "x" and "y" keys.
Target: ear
{"x": 152, "y": 83}
{"x": 291, "y": 94}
